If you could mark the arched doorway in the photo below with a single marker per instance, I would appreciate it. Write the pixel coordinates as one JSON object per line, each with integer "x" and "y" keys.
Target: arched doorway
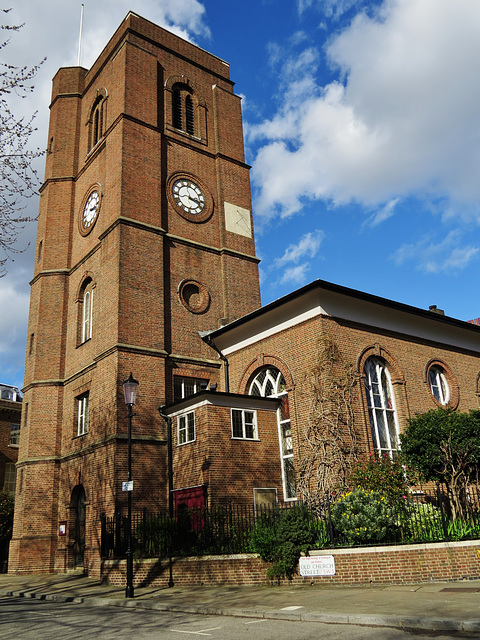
{"x": 77, "y": 504}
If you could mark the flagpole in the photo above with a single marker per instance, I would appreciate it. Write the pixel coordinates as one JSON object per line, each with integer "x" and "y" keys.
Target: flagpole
{"x": 80, "y": 36}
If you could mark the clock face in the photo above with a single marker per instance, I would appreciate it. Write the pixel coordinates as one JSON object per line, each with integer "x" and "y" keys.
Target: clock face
{"x": 90, "y": 210}
{"x": 188, "y": 196}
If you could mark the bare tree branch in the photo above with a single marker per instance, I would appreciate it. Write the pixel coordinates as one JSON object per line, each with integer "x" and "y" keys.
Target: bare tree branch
{"x": 18, "y": 178}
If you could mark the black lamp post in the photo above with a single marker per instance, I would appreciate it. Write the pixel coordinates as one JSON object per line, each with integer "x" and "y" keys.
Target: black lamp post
{"x": 130, "y": 392}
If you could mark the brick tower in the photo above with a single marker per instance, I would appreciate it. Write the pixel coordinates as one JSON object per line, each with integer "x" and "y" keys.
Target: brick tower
{"x": 144, "y": 239}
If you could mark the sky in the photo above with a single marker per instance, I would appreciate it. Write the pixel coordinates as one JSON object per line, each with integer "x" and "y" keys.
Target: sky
{"x": 361, "y": 124}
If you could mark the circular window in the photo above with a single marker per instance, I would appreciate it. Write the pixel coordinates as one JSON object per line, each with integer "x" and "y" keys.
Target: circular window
{"x": 442, "y": 384}
{"x": 194, "y": 296}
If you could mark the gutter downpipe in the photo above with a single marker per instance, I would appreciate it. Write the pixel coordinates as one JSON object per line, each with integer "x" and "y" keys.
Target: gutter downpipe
{"x": 207, "y": 338}
{"x": 168, "y": 420}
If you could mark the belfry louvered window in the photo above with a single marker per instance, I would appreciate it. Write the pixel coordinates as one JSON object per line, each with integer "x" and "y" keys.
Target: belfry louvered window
{"x": 183, "y": 115}
{"x": 177, "y": 109}
{"x": 189, "y": 115}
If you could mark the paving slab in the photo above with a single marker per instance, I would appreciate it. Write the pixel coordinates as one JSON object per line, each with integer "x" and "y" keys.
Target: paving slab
{"x": 447, "y": 606}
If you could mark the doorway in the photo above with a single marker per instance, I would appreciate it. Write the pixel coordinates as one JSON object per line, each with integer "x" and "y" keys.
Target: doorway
{"x": 78, "y": 506}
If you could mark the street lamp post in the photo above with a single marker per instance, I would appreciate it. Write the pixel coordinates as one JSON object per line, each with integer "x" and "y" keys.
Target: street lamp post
{"x": 130, "y": 392}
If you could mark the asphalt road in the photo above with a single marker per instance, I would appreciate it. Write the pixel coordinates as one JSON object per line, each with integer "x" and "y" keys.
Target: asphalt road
{"x": 25, "y": 619}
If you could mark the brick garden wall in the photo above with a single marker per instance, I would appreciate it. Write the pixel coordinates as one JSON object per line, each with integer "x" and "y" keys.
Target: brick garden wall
{"x": 376, "y": 565}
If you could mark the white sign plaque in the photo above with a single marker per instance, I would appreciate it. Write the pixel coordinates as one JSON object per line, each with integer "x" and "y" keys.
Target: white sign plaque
{"x": 127, "y": 486}
{"x": 317, "y": 566}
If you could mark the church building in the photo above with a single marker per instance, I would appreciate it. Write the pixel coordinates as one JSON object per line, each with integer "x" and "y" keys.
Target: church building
{"x": 145, "y": 264}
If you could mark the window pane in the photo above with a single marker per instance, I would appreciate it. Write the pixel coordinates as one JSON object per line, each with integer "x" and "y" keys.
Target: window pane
{"x": 15, "y": 434}
{"x": 392, "y": 430}
{"x": 249, "y": 425}
{"x": 290, "y": 486}
{"x": 191, "y": 427}
{"x": 237, "y": 427}
{"x": 286, "y": 439}
{"x": 381, "y": 427}
{"x": 181, "y": 429}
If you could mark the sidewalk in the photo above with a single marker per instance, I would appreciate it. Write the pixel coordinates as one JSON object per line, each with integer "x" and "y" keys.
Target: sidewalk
{"x": 447, "y": 606}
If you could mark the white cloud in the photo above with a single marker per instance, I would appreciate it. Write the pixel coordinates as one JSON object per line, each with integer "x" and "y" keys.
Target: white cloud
{"x": 383, "y": 214}
{"x": 52, "y": 29}
{"x": 307, "y": 246}
{"x": 447, "y": 256}
{"x": 402, "y": 119}
{"x": 295, "y": 275}
{"x": 299, "y": 257}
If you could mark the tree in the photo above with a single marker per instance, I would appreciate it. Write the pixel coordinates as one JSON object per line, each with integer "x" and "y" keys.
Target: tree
{"x": 330, "y": 437}
{"x": 18, "y": 178}
{"x": 444, "y": 445}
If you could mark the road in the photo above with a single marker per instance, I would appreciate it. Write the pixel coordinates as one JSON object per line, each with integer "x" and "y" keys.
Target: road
{"x": 25, "y": 619}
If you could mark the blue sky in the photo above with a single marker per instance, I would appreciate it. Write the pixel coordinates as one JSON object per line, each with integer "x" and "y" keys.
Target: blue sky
{"x": 362, "y": 126}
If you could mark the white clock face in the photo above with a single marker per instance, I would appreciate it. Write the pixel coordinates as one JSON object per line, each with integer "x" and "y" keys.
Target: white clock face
{"x": 188, "y": 196}
{"x": 91, "y": 209}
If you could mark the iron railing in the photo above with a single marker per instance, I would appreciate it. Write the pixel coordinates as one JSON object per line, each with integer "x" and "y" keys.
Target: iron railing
{"x": 423, "y": 516}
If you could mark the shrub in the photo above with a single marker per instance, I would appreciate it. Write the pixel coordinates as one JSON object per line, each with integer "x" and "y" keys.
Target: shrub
{"x": 280, "y": 537}
{"x": 423, "y": 522}
{"x": 362, "y": 516}
{"x": 382, "y": 474}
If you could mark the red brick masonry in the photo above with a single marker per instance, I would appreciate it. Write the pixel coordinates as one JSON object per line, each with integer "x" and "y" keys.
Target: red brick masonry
{"x": 375, "y": 565}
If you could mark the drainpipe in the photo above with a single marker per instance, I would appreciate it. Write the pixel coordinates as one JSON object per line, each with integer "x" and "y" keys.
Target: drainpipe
{"x": 168, "y": 420}
{"x": 207, "y": 338}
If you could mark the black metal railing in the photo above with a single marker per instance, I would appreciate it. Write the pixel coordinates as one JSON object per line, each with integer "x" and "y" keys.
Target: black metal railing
{"x": 422, "y": 516}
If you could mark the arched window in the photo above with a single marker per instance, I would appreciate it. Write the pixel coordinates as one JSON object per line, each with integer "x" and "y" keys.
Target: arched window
{"x": 270, "y": 383}
{"x": 438, "y": 384}
{"x": 87, "y": 315}
{"x": 183, "y": 115}
{"x": 97, "y": 119}
{"x": 85, "y": 310}
{"x": 381, "y": 407}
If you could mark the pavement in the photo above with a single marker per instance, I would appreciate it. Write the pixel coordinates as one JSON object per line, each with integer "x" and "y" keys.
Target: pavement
{"x": 439, "y": 606}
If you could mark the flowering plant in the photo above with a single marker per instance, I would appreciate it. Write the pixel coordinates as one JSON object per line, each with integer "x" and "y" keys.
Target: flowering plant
{"x": 362, "y": 516}
{"x": 383, "y": 474}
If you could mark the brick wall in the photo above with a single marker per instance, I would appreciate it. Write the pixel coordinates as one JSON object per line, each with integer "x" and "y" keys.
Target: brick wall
{"x": 378, "y": 565}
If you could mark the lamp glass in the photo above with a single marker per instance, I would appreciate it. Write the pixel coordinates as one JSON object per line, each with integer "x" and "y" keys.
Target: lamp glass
{"x": 130, "y": 390}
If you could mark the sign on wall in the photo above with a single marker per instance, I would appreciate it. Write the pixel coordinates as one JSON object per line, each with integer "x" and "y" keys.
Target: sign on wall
{"x": 317, "y": 566}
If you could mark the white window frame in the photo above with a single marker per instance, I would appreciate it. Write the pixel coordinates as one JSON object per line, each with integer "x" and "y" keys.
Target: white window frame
{"x": 14, "y": 435}
{"x": 242, "y": 413}
{"x": 438, "y": 384}
{"x": 180, "y": 383}
{"x": 186, "y": 428}
{"x": 83, "y": 414}
{"x": 382, "y": 409}
{"x": 272, "y": 385}
{"x": 87, "y": 314}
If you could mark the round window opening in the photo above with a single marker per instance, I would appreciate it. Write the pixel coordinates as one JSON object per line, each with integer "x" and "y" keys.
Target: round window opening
{"x": 194, "y": 296}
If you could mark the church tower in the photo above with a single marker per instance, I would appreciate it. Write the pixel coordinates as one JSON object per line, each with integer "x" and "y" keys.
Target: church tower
{"x": 145, "y": 238}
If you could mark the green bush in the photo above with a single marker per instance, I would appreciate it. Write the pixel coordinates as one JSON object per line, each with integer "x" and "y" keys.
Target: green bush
{"x": 280, "y": 538}
{"x": 423, "y": 523}
{"x": 362, "y": 516}
{"x": 384, "y": 475}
